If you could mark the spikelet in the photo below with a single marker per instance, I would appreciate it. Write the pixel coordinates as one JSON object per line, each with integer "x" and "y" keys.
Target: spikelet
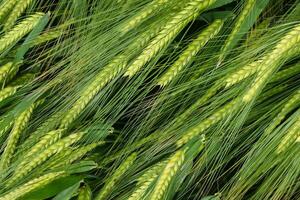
{"x": 168, "y": 33}
{"x": 16, "y": 12}
{"x": 283, "y": 50}
{"x": 108, "y": 186}
{"x": 19, "y": 31}
{"x": 293, "y": 133}
{"x": 47, "y": 140}
{"x": 147, "y": 11}
{"x": 19, "y": 125}
{"x": 193, "y": 48}
{"x": 77, "y": 154}
{"x": 208, "y": 122}
{"x": 55, "y": 148}
{"x": 108, "y": 73}
{"x": 5, "y": 7}
{"x": 32, "y": 185}
{"x": 146, "y": 180}
{"x": 171, "y": 168}
{"x": 8, "y": 92}
{"x": 4, "y": 72}
{"x": 287, "y": 107}
{"x": 242, "y": 16}
{"x": 85, "y": 193}
{"x": 242, "y": 73}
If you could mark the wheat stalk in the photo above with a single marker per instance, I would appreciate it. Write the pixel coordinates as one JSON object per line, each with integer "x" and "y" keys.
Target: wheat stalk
{"x": 19, "y": 31}
{"x": 32, "y": 185}
{"x": 167, "y": 34}
{"x": 108, "y": 186}
{"x": 173, "y": 165}
{"x": 187, "y": 55}
{"x": 19, "y": 125}
{"x": 55, "y": 148}
{"x": 16, "y": 12}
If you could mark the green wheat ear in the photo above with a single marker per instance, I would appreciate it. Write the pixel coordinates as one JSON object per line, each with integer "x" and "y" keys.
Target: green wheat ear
{"x": 120, "y": 171}
{"x": 291, "y": 136}
{"x": 293, "y": 102}
{"x": 8, "y": 92}
{"x": 85, "y": 193}
{"x": 16, "y": 12}
{"x": 243, "y": 15}
{"x": 146, "y": 180}
{"x": 286, "y": 48}
{"x": 193, "y": 48}
{"x": 168, "y": 33}
{"x": 19, "y": 31}
{"x": 45, "y": 141}
{"x": 217, "y": 116}
{"x": 108, "y": 73}
{"x": 5, "y": 7}
{"x": 147, "y": 11}
{"x": 19, "y": 125}
{"x": 55, "y": 148}
{"x": 172, "y": 166}
{"x": 23, "y": 79}
{"x": 32, "y": 185}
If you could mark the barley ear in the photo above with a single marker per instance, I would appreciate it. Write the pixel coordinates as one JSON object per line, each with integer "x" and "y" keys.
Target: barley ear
{"x": 19, "y": 31}
{"x": 173, "y": 165}
{"x": 8, "y": 92}
{"x": 217, "y": 116}
{"x": 46, "y": 141}
{"x": 284, "y": 49}
{"x": 19, "y": 125}
{"x": 55, "y": 148}
{"x": 189, "y": 53}
{"x": 242, "y": 16}
{"x": 147, "y": 11}
{"x": 32, "y": 185}
{"x": 16, "y": 12}
{"x": 108, "y": 186}
{"x": 168, "y": 33}
{"x": 146, "y": 180}
{"x": 5, "y": 7}
{"x": 293, "y": 133}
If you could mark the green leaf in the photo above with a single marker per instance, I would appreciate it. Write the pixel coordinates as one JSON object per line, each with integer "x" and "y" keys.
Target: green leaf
{"x": 53, "y": 188}
{"x": 82, "y": 166}
{"x": 68, "y": 193}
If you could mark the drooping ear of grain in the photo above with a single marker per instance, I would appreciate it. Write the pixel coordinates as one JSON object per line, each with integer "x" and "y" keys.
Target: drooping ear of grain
{"x": 188, "y": 54}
